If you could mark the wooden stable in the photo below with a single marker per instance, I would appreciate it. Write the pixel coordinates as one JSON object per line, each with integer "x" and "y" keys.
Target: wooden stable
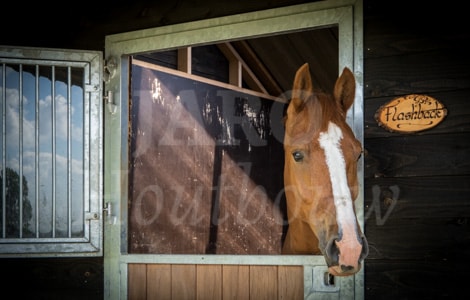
{"x": 416, "y": 193}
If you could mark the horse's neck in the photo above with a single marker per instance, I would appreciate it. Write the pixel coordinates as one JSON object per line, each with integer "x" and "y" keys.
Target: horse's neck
{"x": 301, "y": 235}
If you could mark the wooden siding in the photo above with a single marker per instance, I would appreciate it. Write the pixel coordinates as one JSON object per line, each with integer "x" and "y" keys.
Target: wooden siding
{"x": 416, "y": 185}
{"x": 218, "y": 282}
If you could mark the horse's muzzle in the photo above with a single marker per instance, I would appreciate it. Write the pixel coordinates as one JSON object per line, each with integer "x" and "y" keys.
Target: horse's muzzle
{"x": 344, "y": 257}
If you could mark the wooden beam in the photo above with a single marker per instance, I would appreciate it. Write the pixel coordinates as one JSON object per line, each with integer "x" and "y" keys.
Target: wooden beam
{"x": 235, "y": 73}
{"x": 235, "y": 65}
{"x": 250, "y": 58}
{"x": 184, "y": 60}
{"x": 207, "y": 80}
{"x": 232, "y": 55}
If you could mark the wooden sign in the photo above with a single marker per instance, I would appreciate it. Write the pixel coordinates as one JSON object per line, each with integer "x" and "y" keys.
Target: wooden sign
{"x": 411, "y": 113}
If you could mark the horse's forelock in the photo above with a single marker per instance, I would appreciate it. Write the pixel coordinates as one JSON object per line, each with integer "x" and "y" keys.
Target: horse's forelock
{"x": 331, "y": 110}
{"x": 314, "y": 118}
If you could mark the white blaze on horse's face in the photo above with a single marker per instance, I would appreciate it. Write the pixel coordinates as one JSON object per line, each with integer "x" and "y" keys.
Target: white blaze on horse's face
{"x": 349, "y": 245}
{"x": 330, "y": 143}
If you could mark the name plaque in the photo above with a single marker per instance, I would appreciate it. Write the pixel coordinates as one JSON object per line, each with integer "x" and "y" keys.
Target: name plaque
{"x": 411, "y": 113}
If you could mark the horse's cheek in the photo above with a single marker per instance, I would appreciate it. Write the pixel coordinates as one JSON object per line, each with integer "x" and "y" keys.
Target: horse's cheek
{"x": 304, "y": 186}
{"x": 354, "y": 191}
{"x": 353, "y": 184}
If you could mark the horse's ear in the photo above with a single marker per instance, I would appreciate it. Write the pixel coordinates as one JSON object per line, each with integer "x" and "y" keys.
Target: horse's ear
{"x": 302, "y": 87}
{"x": 345, "y": 89}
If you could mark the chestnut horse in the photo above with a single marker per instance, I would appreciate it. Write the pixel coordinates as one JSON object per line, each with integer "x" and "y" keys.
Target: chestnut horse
{"x": 320, "y": 175}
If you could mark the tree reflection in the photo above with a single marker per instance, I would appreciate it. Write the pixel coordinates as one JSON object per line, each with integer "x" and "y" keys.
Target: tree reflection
{"x": 12, "y": 201}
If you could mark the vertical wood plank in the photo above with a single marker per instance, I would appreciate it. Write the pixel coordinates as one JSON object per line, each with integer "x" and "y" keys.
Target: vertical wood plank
{"x": 183, "y": 282}
{"x": 291, "y": 282}
{"x": 235, "y": 73}
{"x": 184, "y": 60}
{"x": 208, "y": 282}
{"x": 263, "y": 282}
{"x": 137, "y": 281}
{"x": 235, "y": 63}
{"x": 235, "y": 282}
{"x": 158, "y": 282}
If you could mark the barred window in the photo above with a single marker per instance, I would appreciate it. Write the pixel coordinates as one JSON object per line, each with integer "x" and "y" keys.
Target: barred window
{"x": 50, "y": 152}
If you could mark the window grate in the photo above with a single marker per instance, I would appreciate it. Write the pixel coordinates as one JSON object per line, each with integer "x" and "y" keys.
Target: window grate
{"x": 50, "y": 181}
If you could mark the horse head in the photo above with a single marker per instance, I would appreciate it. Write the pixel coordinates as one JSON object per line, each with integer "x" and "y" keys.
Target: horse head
{"x": 320, "y": 174}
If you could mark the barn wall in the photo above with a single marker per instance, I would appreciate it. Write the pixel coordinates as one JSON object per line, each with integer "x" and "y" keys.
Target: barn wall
{"x": 419, "y": 236}
{"x": 417, "y": 203}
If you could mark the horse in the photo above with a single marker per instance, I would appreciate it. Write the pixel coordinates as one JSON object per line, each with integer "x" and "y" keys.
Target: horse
{"x": 320, "y": 174}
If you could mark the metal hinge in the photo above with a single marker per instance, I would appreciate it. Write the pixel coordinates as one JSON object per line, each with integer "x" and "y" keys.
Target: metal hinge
{"x": 109, "y": 69}
{"x": 107, "y": 209}
{"x": 109, "y": 100}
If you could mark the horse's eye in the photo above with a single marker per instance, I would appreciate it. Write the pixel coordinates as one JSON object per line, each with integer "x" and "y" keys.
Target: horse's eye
{"x": 298, "y": 155}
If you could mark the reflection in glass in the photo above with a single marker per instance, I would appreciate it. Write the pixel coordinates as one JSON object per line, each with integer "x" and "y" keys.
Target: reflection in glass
{"x": 42, "y": 156}
{"x": 201, "y": 165}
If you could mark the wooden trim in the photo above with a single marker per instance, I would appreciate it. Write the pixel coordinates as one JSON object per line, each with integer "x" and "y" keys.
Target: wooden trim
{"x": 184, "y": 60}
{"x": 270, "y": 84}
{"x": 242, "y": 68}
{"x": 206, "y": 80}
{"x": 235, "y": 73}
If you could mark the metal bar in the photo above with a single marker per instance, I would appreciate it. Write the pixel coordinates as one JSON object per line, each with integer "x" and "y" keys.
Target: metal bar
{"x": 69, "y": 151}
{"x": 87, "y": 142}
{"x": 53, "y": 138}
{"x": 225, "y": 259}
{"x": 20, "y": 149}
{"x": 4, "y": 173}
{"x": 36, "y": 152}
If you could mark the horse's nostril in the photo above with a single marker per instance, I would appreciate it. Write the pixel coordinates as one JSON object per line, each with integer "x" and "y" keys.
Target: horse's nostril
{"x": 365, "y": 248}
{"x": 346, "y": 268}
{"x": 332, "y": 252}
